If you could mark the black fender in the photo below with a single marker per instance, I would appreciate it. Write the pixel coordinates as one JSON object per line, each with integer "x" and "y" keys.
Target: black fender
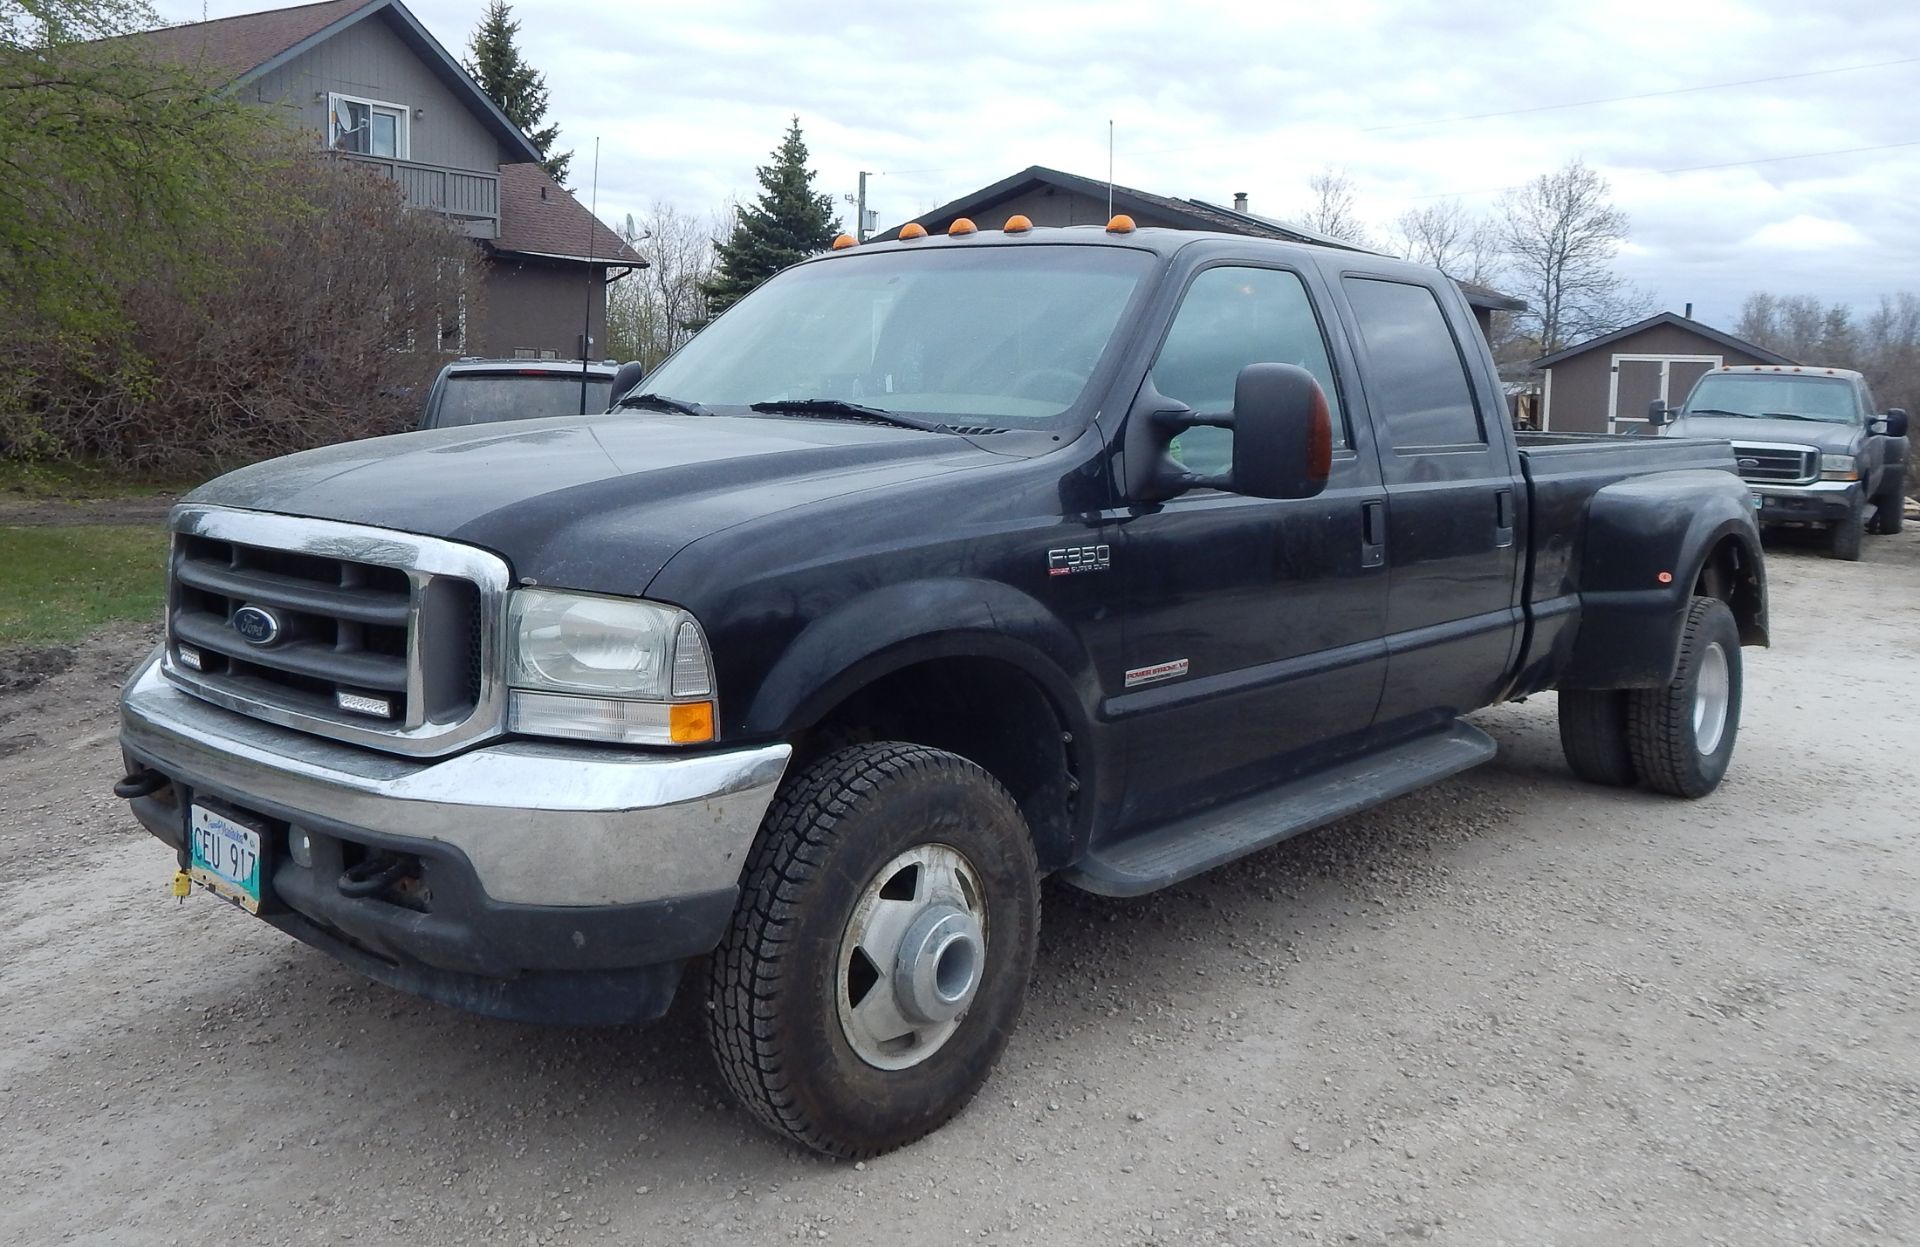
{"x": 896, "y": 626}
{"x": 1647, "y": 541}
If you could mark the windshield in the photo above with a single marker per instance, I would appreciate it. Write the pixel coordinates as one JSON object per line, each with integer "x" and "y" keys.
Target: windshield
{"x": 1003, "y": 335}
{"x": 1760, "y": 394}
{"x": 484, "y": 397}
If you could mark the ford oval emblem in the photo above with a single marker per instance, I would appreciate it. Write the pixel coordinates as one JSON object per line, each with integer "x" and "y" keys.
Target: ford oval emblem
{"x": 1749, "y": 463}
{"x": 256, "y": 626}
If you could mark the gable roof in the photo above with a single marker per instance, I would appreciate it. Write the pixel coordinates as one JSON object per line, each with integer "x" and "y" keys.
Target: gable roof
{"x": 1678, "y": 321}
{"x": 1195, "y": 214}
{"x": 240, "y": 49}
{"x": 540, "y": 217}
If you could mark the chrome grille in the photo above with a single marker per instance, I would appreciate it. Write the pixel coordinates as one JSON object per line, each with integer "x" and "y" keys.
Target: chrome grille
{"x": 361, "y": 634}
{"x": 1781, "y": 465}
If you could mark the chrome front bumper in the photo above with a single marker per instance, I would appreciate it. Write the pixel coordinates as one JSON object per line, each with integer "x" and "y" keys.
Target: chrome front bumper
{"x": 541, "y": 824}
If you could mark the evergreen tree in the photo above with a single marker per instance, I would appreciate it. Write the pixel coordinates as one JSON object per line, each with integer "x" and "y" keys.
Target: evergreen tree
{"x": 788, "y": 223}
{"x": 517, "y": 87}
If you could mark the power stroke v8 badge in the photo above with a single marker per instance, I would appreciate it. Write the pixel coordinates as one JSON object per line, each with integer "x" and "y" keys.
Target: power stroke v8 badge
{"x": 1072, "y": 560}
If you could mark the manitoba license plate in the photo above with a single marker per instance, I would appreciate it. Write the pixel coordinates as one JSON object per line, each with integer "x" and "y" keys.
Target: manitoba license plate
{"x": 225, "y": 857}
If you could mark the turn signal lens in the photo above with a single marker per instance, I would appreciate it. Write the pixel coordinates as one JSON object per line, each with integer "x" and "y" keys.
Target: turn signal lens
{"x": 691, "y": 722}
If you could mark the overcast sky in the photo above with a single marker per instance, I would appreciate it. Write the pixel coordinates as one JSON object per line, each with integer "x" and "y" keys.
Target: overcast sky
{"x": 1208, "y": 99}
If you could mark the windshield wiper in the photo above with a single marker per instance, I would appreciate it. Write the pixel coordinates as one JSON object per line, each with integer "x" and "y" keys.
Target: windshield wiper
{"x": 1712, "y": 411}
{"x": 661, "y": 402}
{"x": 1790, "y": 415}
{"x": 841, "y": 407}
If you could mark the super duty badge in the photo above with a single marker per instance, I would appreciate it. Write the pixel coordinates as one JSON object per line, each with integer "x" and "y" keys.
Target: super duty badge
{"x": 1072, "y": 560}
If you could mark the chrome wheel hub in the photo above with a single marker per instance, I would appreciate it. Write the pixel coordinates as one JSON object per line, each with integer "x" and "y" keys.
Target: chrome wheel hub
{"x": 1712, "y": 695}
{"x": 912, "y": 957}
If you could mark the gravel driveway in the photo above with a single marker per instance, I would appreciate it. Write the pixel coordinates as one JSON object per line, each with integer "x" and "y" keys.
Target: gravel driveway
{"x": 1510, "y": 1009}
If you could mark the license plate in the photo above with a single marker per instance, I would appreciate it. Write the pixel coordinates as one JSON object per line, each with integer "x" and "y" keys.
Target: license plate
{"x": 225, "y": 856}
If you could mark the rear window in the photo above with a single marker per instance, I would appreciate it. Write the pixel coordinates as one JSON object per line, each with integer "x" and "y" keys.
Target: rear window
{"x": 484, "y": 397}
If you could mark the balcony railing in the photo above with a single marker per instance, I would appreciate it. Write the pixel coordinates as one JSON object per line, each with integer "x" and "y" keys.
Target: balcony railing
{"x": 469, "y": 198}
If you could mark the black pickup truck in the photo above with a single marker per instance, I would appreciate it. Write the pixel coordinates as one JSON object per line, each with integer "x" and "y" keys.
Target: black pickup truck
{"x": 932, "y": 568}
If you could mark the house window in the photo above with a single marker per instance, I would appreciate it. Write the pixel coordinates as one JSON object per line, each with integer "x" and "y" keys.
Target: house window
{"x": 369, "y": 127}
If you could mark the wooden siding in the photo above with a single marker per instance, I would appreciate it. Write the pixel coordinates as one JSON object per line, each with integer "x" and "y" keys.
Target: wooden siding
{"x": 537, "y": 305}
{"x": 369, "y": 60}
{"x": 1581, "y": 385}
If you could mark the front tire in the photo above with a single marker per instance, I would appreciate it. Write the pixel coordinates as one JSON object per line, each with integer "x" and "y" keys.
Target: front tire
{"x": 1891, "y": 514}
{"x": 1681, "y": 736}
{"x": 879, "y": 955}
{"x": 1844, "y": 537}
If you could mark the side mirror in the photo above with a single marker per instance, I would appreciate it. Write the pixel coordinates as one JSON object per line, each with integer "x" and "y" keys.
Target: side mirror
{"x": 1282, "y": 433}
{"x": 629, "y": 375}
{"x": 1659, "y": 415}
{"x": 1282, "y": 438}
{"x": 1894, "y": 422}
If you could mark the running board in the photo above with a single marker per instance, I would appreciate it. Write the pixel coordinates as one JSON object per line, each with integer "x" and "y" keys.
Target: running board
{"x": 1217, "y": 836}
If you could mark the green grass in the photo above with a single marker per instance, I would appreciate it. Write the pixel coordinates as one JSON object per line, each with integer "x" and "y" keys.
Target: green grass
{"x": 82, "y": 481}
{"x": 58, "y": 584}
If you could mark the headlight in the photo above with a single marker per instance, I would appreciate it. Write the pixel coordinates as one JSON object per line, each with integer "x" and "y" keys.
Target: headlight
{"x": 613, "y": 669}
{"x": 1838, "y": 468}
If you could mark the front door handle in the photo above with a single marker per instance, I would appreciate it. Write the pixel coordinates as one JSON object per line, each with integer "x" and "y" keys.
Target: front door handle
{"x": 1373, "y": 534}
{"x": 1503, "y": 518}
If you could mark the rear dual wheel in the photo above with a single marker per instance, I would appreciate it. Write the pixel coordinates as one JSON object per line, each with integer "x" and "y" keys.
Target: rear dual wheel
{"x": 879, "y": 956}
{"x": 1676, "y": 739}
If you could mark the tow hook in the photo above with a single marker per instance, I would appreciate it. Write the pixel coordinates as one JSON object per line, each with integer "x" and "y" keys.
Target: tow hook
{"x": 373, "y": 875}
{"x": 141, "y": 783}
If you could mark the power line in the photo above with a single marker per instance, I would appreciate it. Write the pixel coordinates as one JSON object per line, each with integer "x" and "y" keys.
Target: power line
{"x": 1726, "y": 164}
{"x": 1643, "y": 95}
{"x": 1521, "y": 112}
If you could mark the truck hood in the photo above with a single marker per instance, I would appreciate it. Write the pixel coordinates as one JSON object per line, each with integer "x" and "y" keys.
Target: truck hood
{"x": 599, "y": 503}
{"x": 1831, "y": 439}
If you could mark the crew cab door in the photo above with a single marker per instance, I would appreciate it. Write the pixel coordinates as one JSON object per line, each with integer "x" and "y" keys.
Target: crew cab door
{"x": 1252, "y": 626}
{"x": 1455, "y": 501}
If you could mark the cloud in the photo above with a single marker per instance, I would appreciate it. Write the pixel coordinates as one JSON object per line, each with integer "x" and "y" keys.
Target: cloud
{"x": 1806, "y": 233}
{"x": 1209, "y": 97}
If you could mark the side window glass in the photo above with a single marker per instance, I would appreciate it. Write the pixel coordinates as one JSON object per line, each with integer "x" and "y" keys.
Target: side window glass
{"x": 1417, "y": 379}
{"x": 1232, "y": 317}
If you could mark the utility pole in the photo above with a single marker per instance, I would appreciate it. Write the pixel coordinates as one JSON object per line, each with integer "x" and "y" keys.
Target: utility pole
{"x": 860, "y": 211}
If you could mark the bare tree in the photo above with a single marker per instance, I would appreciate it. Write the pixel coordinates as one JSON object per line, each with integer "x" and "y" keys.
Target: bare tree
{"x": 1333, "y": 209}
{"x": 1884, "y": 344}
{"x": 1561, "y": 234}
{"x": 651, "y": 312}
{"x": 1446, "y": 235}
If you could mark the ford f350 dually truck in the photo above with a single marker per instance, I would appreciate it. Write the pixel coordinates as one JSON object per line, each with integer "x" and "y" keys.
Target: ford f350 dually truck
{"x": 931, "y": 568}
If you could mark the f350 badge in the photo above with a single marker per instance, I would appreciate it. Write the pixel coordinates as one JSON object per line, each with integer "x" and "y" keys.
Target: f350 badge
{"x": 1073, "y": 560}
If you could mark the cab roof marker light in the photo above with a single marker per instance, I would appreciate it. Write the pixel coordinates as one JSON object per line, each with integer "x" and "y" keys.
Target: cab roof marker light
{"x": 1017, "y": 224}
{"x": 961, "y": 227}
{"x": 1120, "y": 224}
{"x": 844, "y": 241}
{"x": 912, "y": 230}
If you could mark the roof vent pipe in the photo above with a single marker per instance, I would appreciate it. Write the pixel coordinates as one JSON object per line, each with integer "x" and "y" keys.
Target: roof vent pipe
{"x": 1689, "y": 312}
{"x": 1239, "y": 201}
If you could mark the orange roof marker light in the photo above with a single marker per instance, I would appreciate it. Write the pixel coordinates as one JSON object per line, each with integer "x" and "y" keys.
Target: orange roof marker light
{"x": 1017, "y": 224}
{"x": 843, "y": 242}
{"x": 961, "y": 227}
{"x": 1120, "y": 224}
{"x": 912, "y": 230}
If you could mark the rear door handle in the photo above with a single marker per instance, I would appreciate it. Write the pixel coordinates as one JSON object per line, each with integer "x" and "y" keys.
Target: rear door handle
{"x": 1503, "y": 517}
{"x": 1373, "y": 534}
